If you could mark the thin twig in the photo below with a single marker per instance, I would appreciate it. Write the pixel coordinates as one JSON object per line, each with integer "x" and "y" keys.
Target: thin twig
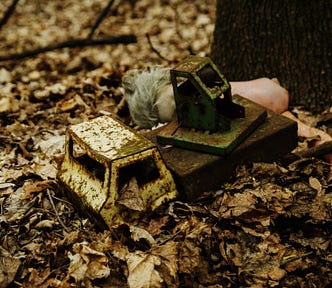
{"x": 155, "y": 50}
{"x": 73, "y": 43}
{"x": 167, "y": 239}
{"x": 8, "y": 13}
{"x": 100, "y": 18}
{"x": 63, "y": 200}
{"x": 293, "y": 258}
{"x": 55, "y": 211}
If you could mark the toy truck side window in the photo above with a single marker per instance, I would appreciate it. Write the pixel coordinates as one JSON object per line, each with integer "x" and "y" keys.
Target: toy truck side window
{"x": 210, "y": 77}
{"x": 185, "y": 87}
{"x": 78, "y": 153}
{"x": 144, "y": 170}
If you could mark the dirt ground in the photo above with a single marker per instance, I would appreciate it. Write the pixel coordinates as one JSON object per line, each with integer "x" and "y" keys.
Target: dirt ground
{"x": 270, "y": 226}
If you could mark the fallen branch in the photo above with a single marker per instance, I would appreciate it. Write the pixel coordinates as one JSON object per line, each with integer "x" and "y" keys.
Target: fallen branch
{"x": 8, "y": 13}
{"x": 100, "y": 18}
{"x": 73, "y": 43}
{"x": 317, "y": 151}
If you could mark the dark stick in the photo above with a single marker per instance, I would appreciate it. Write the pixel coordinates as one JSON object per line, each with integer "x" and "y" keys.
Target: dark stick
{"x": 73, "y": 43}
{"x": 100, "y": 18}
{"x": 8, "y": 13}
{"x": 317, "y": 151}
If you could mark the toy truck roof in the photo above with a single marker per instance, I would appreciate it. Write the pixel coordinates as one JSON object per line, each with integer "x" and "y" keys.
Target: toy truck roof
{"x": 203, "y": 75}
{"x": 105, "y": 137}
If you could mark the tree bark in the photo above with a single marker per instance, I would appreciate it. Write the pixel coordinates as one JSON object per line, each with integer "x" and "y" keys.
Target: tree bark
{"x": 290, "y": 40}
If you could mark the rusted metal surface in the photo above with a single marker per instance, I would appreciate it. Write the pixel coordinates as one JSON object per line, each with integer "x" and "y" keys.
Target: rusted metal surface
{"x": 208, "y": 119}
{"x": 101, "y": 158}
{"x": 221, "y": 142}
{"x": 105, "y": 137}
{"x": 198, "y": 172}
{"x": 203, "y": 96}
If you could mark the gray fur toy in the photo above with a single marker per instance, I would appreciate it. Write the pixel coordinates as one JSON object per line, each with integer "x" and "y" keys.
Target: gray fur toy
{"x": 149, "y": 95}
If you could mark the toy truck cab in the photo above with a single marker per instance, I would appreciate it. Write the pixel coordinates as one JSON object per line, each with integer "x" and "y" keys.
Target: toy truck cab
{"x": 113, "y": 173}
{"x": 203, "y": 96}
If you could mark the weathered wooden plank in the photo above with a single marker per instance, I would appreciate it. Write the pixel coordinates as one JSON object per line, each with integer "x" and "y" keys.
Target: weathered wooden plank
{"x": 197, "y": 172}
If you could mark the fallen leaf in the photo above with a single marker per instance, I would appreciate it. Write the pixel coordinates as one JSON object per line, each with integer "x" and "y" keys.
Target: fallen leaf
{"x": 138, "y": 234}
{"x": 67, "y": 105}
{"x": 119, "y": 251}
{"x": 36, "y": 187}
{"x": 52, "y": 145}
{"x": 45, "y": 224}
{"x": 142, "y": 270}
{"x": 130, "y": 197}
{"x": 38, "y": 278}
{"x": 9, "y": 266}
{"x": 277, "y": 274}
{"x": 169, "y": 267}
{"x": 77, "y": 268}
{"x": 156, "y": 225}
{"x": 314, "y": 183}
{"x": 87, "y": 263}
{"x": 233, "y": 206}
{"x": 189, "y": 256}
{"x": 321, "y": 208}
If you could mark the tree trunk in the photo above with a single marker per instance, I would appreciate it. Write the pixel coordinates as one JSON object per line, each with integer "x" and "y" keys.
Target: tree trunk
{"x": 290, "y": 40}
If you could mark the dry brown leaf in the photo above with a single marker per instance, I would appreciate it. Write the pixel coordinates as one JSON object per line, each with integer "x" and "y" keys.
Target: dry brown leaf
{"x": 189, "y": 256}
{"x": 9, "y": 266}
{"x": 142, "y": 270}
{"x": 87, "y": 263}
{"x": 38, "y": 278}
{"x": 294, "y": 265}
{"x": 119, "y": 250}
{"x": 138, "y": 234}
{"x": 8, "y": 105}
{"x": 168, "y": 255}
{"x": 314, "y": 183}
{"x": 233, "y": 206}
{"x": 321, "y": 208}
{"x": 156, "y": 225}
{"x": 77, "y": 268}
{"x": 130, "y": 196}
{"x": 5, "y": 76}
{"x": 45, "y": 224}
{"x": 67, "y": 105}
{"x": 256, "y": 232}
{"x": 277, "y": 273}
{"x": 36, "y": 187}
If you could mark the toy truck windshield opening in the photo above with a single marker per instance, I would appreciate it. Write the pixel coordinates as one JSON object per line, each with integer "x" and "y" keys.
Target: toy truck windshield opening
{"x": 211, "y": 79}
{"x": 144, "y": 170}
{"x": 79, "y": 154}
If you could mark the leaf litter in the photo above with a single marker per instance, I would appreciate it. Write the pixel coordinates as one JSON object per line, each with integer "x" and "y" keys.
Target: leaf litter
{"x": 270, "y": 226}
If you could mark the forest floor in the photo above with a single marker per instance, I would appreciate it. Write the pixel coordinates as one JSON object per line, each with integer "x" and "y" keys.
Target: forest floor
{"x": 270, "y": 226}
